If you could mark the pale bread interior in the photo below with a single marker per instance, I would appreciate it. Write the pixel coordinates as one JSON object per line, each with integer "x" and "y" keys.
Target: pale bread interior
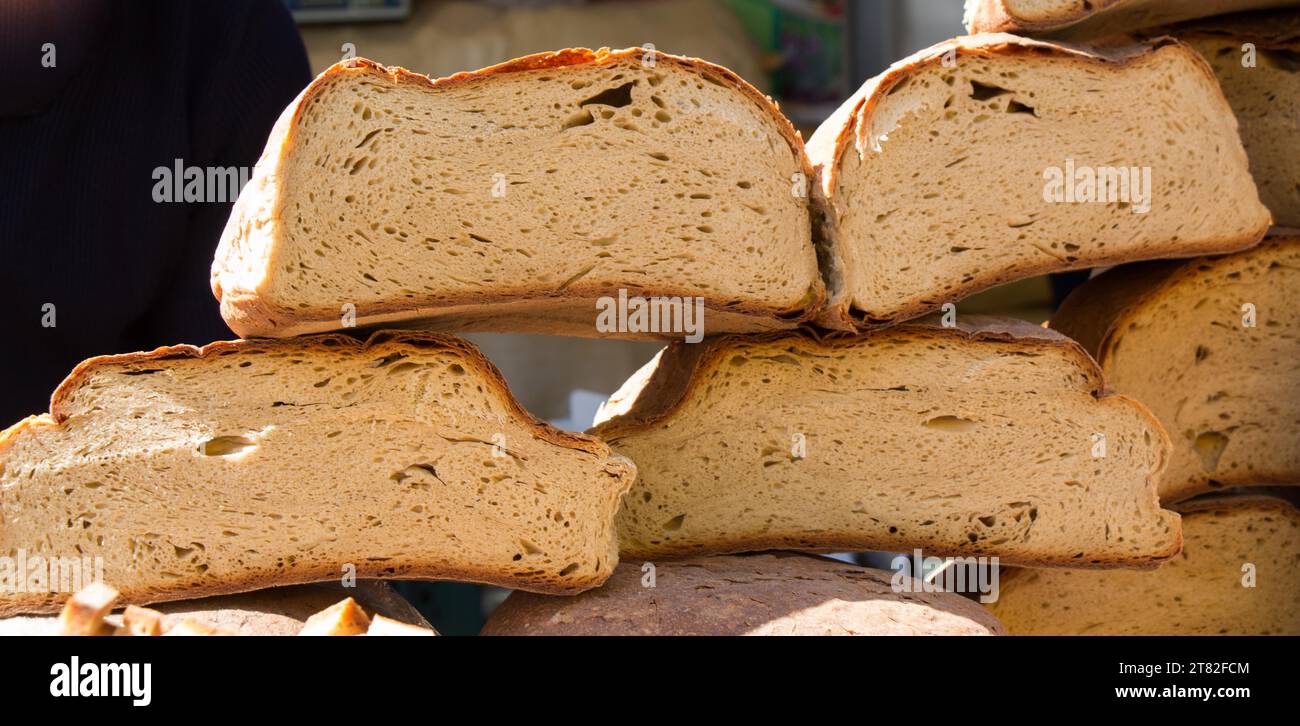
{"x": 274, "y": 463}
{"x": 909, "y": 439}
{"x": 571, "y": 181}
{"x": 1226, "y": 393}
{"x": 931, "y": 205}
{"x": 1202, "y": 591}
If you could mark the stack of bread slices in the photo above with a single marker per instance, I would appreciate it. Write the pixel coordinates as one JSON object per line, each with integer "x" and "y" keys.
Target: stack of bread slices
{"x": 835, "y": 399}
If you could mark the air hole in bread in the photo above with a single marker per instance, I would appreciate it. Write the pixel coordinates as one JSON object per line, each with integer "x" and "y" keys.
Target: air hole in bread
{"x": 226, "y": 446}
{"x": 616, "y": 97}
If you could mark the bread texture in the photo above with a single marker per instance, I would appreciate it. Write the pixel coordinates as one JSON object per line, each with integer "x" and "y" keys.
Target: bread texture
{"x": 974, "y": 441}
{"x": 1175, "y": 336}
{"x": 277, "y": 611}
{"x": 252, "y": 464}
{"x": 515, "y": 197}
{"x": 1236, "y": 575}
{"x": 993, "y": 158}
{"x": 1087, "y": 19}
{"x": 756, "y": 595}
{"x": 1262, "y": 84}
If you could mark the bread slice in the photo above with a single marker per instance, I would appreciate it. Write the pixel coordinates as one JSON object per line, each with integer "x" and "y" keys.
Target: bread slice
{"x": 275, "y": 611}
{"x": 1173, "y": 335}
{"x": 252, "y": 464}
{"x": 515, "y": 197}
{"x": 1085, "y": 19}
{"x": 759, "y": 595}
{"x": 1230, "y": 543}
{"x": 1263, "y": 86}
{"x": 967, "y": 166}
{"x": 980, "y": 441}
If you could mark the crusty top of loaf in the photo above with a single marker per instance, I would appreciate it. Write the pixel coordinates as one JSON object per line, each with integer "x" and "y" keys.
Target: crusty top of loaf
{"x": 328, "y": 343}
{"x": 829, "y": 143}
{"x": 1094, "y": 313}
{"x": 1270, "y": 28}
{"x": 245, "y": 247}
{"x": 985, "y": 16}
{"x": 767, "y": 594}
{"x": 658, "y": 389}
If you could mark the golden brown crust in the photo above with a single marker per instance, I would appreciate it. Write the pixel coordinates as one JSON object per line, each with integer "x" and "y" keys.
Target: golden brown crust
{"x": 250, "y": 314}
{"x": 834, "y": 138}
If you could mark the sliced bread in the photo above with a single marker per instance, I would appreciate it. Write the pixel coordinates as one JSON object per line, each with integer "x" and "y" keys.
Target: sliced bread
{"x": 995, "y": 439}
{"x": 252, "y": 464}
{"x": 517, "y": 196}
{"x": 1084, "y": 19}
{"x": 1212, "y": 347}
{"x": 1236, "y": 575}
{"x": 277, "y": 611}
{"x": 758, "y": 595}
{"x": 1256, "y": 57}
{"x": 993, "y": 158}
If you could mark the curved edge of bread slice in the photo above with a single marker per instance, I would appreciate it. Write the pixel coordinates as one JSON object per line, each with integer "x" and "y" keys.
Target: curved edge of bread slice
{"x": 243, "y": 465}
{"x": 1085, "y": 20}
{"x": 845, "y": 132}
{"x": 1236, "y": 576}
{"x": 898, "y": 449}
{"x": 1224, "y": 391}
{"x": 248, "y": 245}
{"x": 767, "y": 594}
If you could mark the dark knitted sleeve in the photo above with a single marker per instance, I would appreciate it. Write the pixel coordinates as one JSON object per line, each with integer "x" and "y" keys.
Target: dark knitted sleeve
{"x": 248, "y": 63}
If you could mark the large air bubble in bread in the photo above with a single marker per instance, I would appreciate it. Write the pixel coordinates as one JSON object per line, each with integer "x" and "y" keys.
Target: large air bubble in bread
{"x": 969, "y": 165}
{"x": 547, "y": 182}
{"x": 189, "y": 472}
{"x": 992, "y": 440}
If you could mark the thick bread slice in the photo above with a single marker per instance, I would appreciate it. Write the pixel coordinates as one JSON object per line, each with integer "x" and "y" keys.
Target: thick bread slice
{"x": 977, "y": 441}
{"x": 1230, "y": 543}
{"x": 936, "y": 178}
{"x": 276, "y": 611}
{"x": 251, "y": 464}
{"x": 545, "y": 182}
{"x": 1085, "y": 19}
{"x": 759, "y": 595}
{"x": 1173, "y": 335}
{"x": 1263, "y": 87}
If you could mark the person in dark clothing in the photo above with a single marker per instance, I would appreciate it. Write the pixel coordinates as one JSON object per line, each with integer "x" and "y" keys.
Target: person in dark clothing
{"x": 98, "y": 97}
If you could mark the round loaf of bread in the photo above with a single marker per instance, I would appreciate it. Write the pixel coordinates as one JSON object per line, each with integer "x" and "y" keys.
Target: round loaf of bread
{"x": 768, "y": 594}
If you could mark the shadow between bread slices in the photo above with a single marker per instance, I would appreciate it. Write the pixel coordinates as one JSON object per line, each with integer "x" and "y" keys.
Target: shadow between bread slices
{"x": 979, "y": 441}
{"x": 544, "y": 183}
{"x": 242, "y": 465}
